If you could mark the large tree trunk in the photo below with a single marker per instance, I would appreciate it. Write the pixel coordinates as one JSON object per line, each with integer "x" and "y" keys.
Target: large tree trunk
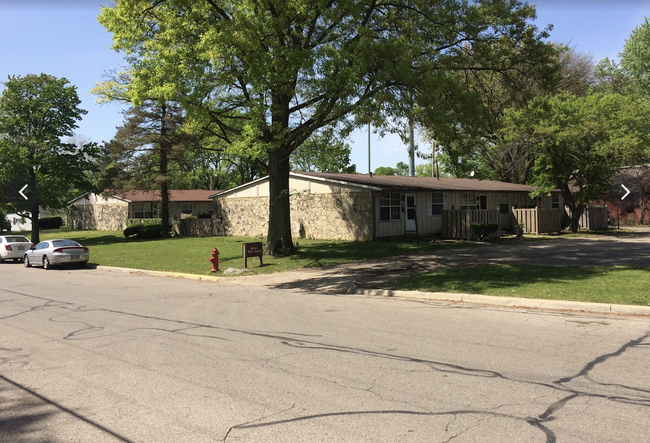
{"x": 279, "y": 239}
{"x": 164, "y": 183}
{"x": 576, "y": 213}
{"x": 36, "y": 236}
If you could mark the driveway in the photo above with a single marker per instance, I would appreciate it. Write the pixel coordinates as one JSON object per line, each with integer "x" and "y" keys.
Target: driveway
{"x": 619, "y": 249}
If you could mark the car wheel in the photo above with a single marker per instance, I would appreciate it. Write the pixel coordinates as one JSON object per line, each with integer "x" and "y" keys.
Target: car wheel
{"x": 46, "y": 262}
{"x": 26, "y": 261}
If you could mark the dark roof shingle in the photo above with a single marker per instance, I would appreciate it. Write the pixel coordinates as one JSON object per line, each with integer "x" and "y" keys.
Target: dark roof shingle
{"x": 175, "y": 195}
{"x": 406, "y": 183}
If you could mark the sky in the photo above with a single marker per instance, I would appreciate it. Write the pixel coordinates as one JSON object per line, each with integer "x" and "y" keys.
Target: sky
{"x": 62, "y": 38}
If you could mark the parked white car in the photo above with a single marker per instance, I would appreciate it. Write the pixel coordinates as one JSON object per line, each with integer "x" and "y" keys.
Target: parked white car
{"x": 13, "y": 247}
{"x": 56, "y": 252}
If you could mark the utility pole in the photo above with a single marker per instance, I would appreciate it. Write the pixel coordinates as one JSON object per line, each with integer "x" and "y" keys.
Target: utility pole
{"x": 411, "y": 147}
{"x": 369, "y": 170}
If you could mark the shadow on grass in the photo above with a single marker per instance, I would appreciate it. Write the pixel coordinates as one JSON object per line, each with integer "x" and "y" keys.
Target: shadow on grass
{"x": 322, "y": 254}
{"x": 620, "y": 284}
{"x": 634, "y": 232}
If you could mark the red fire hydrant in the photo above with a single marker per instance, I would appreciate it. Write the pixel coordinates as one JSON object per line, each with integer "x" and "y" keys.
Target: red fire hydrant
{"x": 215, "y": 260}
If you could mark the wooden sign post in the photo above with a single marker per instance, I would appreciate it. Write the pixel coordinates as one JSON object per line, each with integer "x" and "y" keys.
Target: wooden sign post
{"x": 252, "y": 250}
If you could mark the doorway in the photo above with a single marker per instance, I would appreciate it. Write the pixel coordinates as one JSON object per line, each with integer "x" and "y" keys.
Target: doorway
{"x": 410, "y": 213}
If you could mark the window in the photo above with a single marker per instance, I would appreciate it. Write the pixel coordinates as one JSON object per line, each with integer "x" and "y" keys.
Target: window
{"x": 555, "y": 201}
{"x": 145, "y": 210}
{"x": 529, "y": 202}
{"x": 390, "y": 207}
{"x": 468, "y": 201}
{"x": 504, "y": 204}
{"x": 187, "y": 208}
{"x": 437, "y": 201}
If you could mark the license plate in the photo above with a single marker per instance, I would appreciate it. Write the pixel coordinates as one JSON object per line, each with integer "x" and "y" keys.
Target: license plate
{"x": 73, "y": 257}
{"x": 21, "y": 248}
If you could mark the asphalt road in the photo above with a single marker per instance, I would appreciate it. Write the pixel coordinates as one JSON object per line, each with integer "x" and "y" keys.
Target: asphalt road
{"x": 92, "y": 355}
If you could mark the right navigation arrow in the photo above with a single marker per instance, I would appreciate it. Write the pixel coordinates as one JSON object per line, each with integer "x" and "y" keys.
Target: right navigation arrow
{"x": 626, "y": 194}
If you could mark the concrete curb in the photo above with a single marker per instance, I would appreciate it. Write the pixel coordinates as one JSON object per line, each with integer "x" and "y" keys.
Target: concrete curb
{"x": 513, "y": 302}
{"x": 160, "y": 273}
{"x": 477, "y": 299}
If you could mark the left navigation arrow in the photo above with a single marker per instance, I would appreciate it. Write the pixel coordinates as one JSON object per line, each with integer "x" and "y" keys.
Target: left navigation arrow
{"x": 21, "y": 192}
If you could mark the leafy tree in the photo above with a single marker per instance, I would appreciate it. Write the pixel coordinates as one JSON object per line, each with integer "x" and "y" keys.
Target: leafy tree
{"x": 146, "y": 147}
{"x": 424, "y": 170}
{"x": 264, "y": 76}
{"x": 153, "y": 125}
{"x": 385, "y": 170}
{"x": 36, "y": 113}
{"x": 612, "y": 79}
{"x": 473, "y": 144}
{"x": 214, "y": 169}
{"x": 580, "y": 142}
{"x": 323, "y": 152}
{"x": 400, "y": 168}
{"x": 635, "y": 58}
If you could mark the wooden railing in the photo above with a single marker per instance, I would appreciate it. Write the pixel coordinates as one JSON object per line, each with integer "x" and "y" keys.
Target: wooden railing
{"x": 594, "y": 218}
{"x": 456, "y": 222}
{"x": 538, "y": 221}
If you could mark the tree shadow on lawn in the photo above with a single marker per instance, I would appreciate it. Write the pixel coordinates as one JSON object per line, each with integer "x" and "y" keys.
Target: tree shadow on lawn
{"x": 582, "y": 283}
{"x": 113, "y": 240}
{"x": 322, "y": 254}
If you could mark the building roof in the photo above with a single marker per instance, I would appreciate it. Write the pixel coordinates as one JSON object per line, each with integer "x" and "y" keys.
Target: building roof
{"x": 175, "y": 195}
{"x": 388, "y": 183}
{"x": 406, "y": 183}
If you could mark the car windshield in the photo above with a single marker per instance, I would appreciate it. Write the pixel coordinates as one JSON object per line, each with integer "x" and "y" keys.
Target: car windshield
{"x": 59, "y": 243}
{"x": 17, "y": 239}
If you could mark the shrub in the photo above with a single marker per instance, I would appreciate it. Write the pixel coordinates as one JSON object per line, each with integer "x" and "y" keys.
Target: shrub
{"x": 50, "y": 223}
{"x": 143, "y": 231}
{"x": 132, "y": 230}
{"x": 484, "y": 230}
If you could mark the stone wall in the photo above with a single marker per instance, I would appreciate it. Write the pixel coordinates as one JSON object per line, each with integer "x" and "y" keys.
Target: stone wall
{"x": 338, "y": 216}
{"x": 243, "y": 217}
{"x": 110, "y": 217}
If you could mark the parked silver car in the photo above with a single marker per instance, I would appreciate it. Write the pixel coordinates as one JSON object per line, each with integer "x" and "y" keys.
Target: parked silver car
{"x": 56, "y": 252}
{"x": 13, "y": 247}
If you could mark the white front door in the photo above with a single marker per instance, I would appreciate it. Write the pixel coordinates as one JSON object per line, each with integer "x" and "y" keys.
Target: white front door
{"x": 410, "y": 212}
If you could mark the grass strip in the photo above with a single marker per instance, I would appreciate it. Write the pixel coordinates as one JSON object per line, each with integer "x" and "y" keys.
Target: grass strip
{"x": 599, "y": 284}
{"x": 191, "y": 254}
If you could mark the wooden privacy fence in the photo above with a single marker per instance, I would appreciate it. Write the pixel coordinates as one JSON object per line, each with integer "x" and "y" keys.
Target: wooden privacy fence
{"x": 538, "y": 221}
{"x": 456, "y": 222}
{"x": 593, "y": 218}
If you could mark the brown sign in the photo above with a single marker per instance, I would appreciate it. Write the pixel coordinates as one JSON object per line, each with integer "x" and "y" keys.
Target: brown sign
{"x": 252, "y": 250}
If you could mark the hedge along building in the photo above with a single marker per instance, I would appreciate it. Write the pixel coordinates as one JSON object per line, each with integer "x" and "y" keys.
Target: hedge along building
{"x": 112, "y": 211}
{"x": 367, "y": 207}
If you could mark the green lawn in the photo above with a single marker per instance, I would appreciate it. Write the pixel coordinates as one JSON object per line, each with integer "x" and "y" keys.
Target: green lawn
{"x": 191, "y": 254}
{"x": 617, "y": 284}
{"x": 624, "y": 285}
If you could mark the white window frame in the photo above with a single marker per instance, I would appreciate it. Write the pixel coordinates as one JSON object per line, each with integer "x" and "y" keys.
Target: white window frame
{"x": 504, "y": 199}
{"x": 392, "y": 201}
{"x": 145, "y": 210}
{"x": 468, "y": 201}
{"x": 530, "y": 203}
{"x": 555, "y": 201}
{"x": 437, "y": 202}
